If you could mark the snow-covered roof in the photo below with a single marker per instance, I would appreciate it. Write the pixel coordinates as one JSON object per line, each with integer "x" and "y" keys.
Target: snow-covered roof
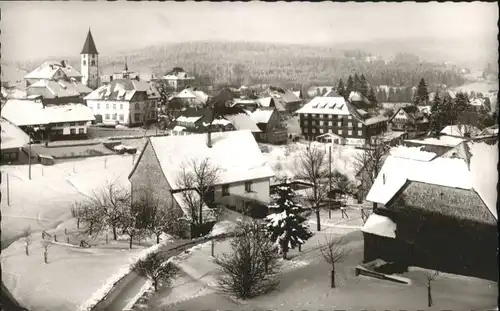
{"x": 13, "y": 93}
{"x": 325, "y": 105}
{"x": 375, "y": 119}
{"x": 57, "y": 89}
{"x": 188, "y": 119}
{"x": 12, "y": 136}
{"x": 380, "y": 225}
{"x": 235, "y": 153}
{"x": 240, "y": 101}
{"x": 447, "y": 141}
{"x": 178, "y": 76}
{"x": 242, "y": 121}
{"x": 492, "y": 130}
{"x": 178, "y": 128}
{"x": 48, "y": 70}
{"x": 413, "y": 153}
{"x": 459, "y": 130}
{"x": 191, "y": 93}
{"x": 221, "y": 121}
{"x": 261, "y": 116}
{"x": 123, "y": 89}
{"x": 482, "y": 175}
{"x": 30, "y": 112}
{"x": 265, "y": 101}
{"x": 180, "y": 198}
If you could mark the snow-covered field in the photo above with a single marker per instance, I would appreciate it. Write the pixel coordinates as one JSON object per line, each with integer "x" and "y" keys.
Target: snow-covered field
{"x": 44, "y": 201}
{"x": 283, "y": 158}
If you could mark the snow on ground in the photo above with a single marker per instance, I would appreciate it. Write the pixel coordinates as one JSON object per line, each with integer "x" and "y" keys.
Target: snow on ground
{"x": 45, "y": 200}
{"x": 223, "y": 227}
{"x": 72, "y": 275}
{"x": 283, "y": 159}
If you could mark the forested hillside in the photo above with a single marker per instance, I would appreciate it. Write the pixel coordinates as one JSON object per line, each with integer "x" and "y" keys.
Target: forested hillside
{"x": 251, "y": 63}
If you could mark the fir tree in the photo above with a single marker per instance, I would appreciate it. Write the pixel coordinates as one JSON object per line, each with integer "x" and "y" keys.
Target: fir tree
{"x": 357, "y": 83}
{"x": 341, "y": 88}
{"x": 363, "y": 86}
{"x": 422, "y": 92}
{"x": 448, "y": 113}
{"x": 372, "y": 97}
{"x": 287, "y": 229}
{"x": 349, "y": 88}
{"x": 436, "y": 117}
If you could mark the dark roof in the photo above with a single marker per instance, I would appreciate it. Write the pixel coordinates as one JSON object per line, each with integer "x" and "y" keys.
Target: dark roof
{"x": 89, "y": 46}
{"x": 447, "y": 201}
{"x": 332, "y": 93}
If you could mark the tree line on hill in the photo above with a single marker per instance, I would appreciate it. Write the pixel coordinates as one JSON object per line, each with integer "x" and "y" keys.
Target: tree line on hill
{"x": 246, "y": 63}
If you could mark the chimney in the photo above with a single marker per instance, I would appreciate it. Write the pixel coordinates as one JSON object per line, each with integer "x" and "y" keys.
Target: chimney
{"x": 63, "y": 63}
{"x": 209, "y": 139}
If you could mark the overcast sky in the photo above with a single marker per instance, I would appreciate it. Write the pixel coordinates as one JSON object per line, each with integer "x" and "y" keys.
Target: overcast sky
{"x": 42, "y": 29}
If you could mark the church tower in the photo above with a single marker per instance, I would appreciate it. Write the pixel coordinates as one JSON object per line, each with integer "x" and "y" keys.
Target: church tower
{"x": 90, "y": 63}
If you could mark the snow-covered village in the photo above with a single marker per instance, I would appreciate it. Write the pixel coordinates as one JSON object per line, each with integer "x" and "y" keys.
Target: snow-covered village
{"x": 249, "y": 156}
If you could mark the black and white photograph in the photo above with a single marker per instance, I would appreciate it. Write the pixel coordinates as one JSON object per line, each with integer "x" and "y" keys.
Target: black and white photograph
{"x": 265, "y": 156}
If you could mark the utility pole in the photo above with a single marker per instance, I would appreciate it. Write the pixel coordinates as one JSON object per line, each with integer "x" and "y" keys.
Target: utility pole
{"x": 330, "y": 180}
{"x": 8, "y": 190}
{"x": 29, "y": 160}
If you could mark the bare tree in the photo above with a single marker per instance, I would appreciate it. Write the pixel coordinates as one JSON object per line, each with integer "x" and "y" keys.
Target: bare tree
{"x": 155, "y": 215}
{"x": 251, "y": 269}
{"x": 112, "y": 200}
{"x": 201, "y": 176}
{"x": 77, "y": 212}
{"x": 28, "y": 240}
{"x": 46, "y": 244}
{"x": 341, "y": 181}
{"x": 368, "y": 163}
{"x": 430, "y": 276}
{"x": 333, "y": 251}
{"x": 130, "y": 221}
{"x": 155, "y": 268}
{"x": 312, "y": 166}
{"x": 93, "y": 217}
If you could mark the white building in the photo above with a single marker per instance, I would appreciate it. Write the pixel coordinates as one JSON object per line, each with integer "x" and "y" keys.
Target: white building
{"x": 244, "y": 175}
{"x": 178, "y": 79}
{"x": 59, "y": 121}
{"x": 124, "y": 101}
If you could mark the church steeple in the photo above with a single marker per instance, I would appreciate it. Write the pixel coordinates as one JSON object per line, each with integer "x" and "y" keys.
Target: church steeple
{"x": 126, "y": 67}
{"x": 89, "y": 46}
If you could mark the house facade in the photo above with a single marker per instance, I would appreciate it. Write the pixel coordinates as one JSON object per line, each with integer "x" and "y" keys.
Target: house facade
{"x": 54, "y": 122}
{"x": 269, "y": 122}
{"x": 333, "y": 114}
{"x": 416, "y": 199}
{"x": 190, "y": 97}
{"x": 13, "y": 139}
{"x": 284, "y": 100}
{"x": 242, "y": 177}
{"x": 127, "y": 102}
{"x": 178, "y": 79}
{"x": 409, "y": 119}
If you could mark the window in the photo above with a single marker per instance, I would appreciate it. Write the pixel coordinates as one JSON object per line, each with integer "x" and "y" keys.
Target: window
{"x": 339, "y": 132}
{"x": 72, "y": 124}
{"x": 349, "y": 124}
{"x": 306, "y": 130}
{"x": 321, "y": 123}
{"x": 248, "y": 186}
{"x": 84, "y": 62}
{"x": 92, "y": 62}
{"x": 121, "y": 117}
{"x": 81, "y": 131}
{"x": 339, "y": 124}
{"x": 98, "y": 106}
{"x": 114, "y": 106}
{"x": 73, "y": 131}
{"x": 349, "y": 117}
{"x": 137, "y": 117}
{"x": 225, "y": 190}
{"x": 360, "y": 133}
{"x": 305, "y": 115}
{"x": 305, "y": 122}
{"x": 314, "y": 131}
{"x": 106, "y": 116}
{"x": 107, "y": 105}
{"x": 330, "y": 123}
{"x": 325, "y": 116}
{"x": 349, "y": 132}
{"x": 313, "y": 122}
{"x": 313, "y": 115}
{"x": 321, "y": 130}
{"x": 114, "y": 116}
{"x": 330, "y": 116}
{"x": 136, "y": 105}
{"x": 121, "y": 106}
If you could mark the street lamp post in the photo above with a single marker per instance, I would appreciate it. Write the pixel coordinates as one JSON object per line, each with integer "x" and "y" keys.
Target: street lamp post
{"x": 29, "y": 159}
